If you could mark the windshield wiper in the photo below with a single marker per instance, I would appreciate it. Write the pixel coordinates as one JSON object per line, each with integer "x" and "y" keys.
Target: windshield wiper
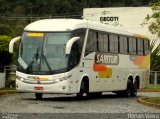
{"x": 35, "y": 56}
{"x": 47, "y": 63}
{"x": 60, "y": 70}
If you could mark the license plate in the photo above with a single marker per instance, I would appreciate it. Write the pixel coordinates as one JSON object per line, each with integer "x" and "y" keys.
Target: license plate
{"x": 38, "y": 88}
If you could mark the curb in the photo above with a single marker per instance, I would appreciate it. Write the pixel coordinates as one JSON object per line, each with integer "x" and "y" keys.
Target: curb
{"x": 141, "y": 100}
{"x": 3, "y": 92}
{"x": 148, "y": 90}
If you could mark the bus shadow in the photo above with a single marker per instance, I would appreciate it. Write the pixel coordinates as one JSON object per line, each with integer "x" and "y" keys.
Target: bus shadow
{"x": 85, "y": 98}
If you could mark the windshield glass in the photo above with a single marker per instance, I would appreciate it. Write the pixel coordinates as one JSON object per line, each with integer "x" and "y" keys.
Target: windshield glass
{"x": 43, "y": 53}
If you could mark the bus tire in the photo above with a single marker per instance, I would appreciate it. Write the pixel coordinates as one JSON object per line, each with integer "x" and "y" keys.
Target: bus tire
{"x": 134, "y": 91}
{"x": 38, "y": 96}
{"x": 83, "y": 89}
{"x": 128, "y": 91}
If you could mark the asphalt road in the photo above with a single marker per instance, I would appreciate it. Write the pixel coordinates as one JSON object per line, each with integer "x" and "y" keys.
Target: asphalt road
{"x": 68, "y": 104}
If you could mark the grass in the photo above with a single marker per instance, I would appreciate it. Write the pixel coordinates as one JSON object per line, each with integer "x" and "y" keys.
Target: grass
{"x": 154, "y": 100}
{"x": 152, "y": 87}
{"x": 8, "y": 88}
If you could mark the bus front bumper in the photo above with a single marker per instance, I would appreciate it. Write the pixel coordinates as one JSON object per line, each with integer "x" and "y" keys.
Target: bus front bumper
{"x": 57, "y": 88}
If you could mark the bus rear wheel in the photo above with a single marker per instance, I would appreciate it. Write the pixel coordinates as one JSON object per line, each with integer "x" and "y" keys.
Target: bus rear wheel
{"x": 38, "y": 96}
{"x": 129, "y": 89}
{"x": 134, "y": 91}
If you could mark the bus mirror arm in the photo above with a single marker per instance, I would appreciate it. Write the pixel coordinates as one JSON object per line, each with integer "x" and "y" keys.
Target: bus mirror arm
{"x": 70, "y": 43}
{"x": 11, "y": 43}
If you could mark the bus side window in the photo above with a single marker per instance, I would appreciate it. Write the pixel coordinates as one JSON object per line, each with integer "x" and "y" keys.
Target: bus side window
{"x": 74, "y": 56}
{"x": 103, "y": 42}
{"x": 146, "y": 47}
{"x": 132, "y": 46}
{"x": 80, "y": 33}
{"x": 140, "y": 46}
{"x": 100, "y": 42}
{"x": 77, "y": 47}
{"x": 91, "y": 45}
{"x": 123, "y": 45}
{"x": 113, "y": 42}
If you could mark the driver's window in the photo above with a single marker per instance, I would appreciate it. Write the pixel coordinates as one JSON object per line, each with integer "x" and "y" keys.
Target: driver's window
{"x": 75, "y": 55}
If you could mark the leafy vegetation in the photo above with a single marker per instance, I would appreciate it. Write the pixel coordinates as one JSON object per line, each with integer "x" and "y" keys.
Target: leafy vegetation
{"x": 154, "y": 19}
{"x": 8, "y": 88}
{"x": 155, "y": 56}
{"x": 153, "y": 100}
{"x": 154, "y": 27}
{"x": 5, "y": 56}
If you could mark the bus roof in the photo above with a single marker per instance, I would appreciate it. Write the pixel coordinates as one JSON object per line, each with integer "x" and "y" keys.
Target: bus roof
{"x": 57, "y": 25}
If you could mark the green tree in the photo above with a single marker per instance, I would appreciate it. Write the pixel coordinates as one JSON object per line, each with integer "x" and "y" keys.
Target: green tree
{"x": 5, "y": 56}
{"x": 155, "y": 54}
{"x": 153, "y": 21}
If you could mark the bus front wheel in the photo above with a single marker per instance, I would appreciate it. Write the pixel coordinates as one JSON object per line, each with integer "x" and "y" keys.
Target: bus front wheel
{"x": 83, "y": 89}
{"x": 38, "y": 96}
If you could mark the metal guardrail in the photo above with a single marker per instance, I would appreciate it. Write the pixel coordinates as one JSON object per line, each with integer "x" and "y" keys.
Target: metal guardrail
{"x": 10, "y": 75}
{"x": 10, "y": 68}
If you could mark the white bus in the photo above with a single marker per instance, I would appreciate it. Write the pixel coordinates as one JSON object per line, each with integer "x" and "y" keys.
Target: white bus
{"x": 71, "y": 56}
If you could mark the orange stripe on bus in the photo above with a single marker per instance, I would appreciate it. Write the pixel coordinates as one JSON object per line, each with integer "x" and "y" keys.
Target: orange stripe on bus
{"x": 99, "y": 67}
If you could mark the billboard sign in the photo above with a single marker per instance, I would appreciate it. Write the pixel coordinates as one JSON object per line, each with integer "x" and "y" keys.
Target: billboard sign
{"x": 129, "y": 18}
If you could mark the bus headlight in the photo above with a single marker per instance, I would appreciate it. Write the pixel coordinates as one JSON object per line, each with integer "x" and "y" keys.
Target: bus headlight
{"x": 65, "y": 78}
{"x": 62, "y": 78}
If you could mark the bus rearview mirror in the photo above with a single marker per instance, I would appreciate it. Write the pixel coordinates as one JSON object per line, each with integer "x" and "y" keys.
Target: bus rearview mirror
{"x": 70, "y": 43}
{"x": 11, "y": 43}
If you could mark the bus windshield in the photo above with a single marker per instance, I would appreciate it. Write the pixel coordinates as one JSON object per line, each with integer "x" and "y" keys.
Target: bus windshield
{"x": 43, "y": 53}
